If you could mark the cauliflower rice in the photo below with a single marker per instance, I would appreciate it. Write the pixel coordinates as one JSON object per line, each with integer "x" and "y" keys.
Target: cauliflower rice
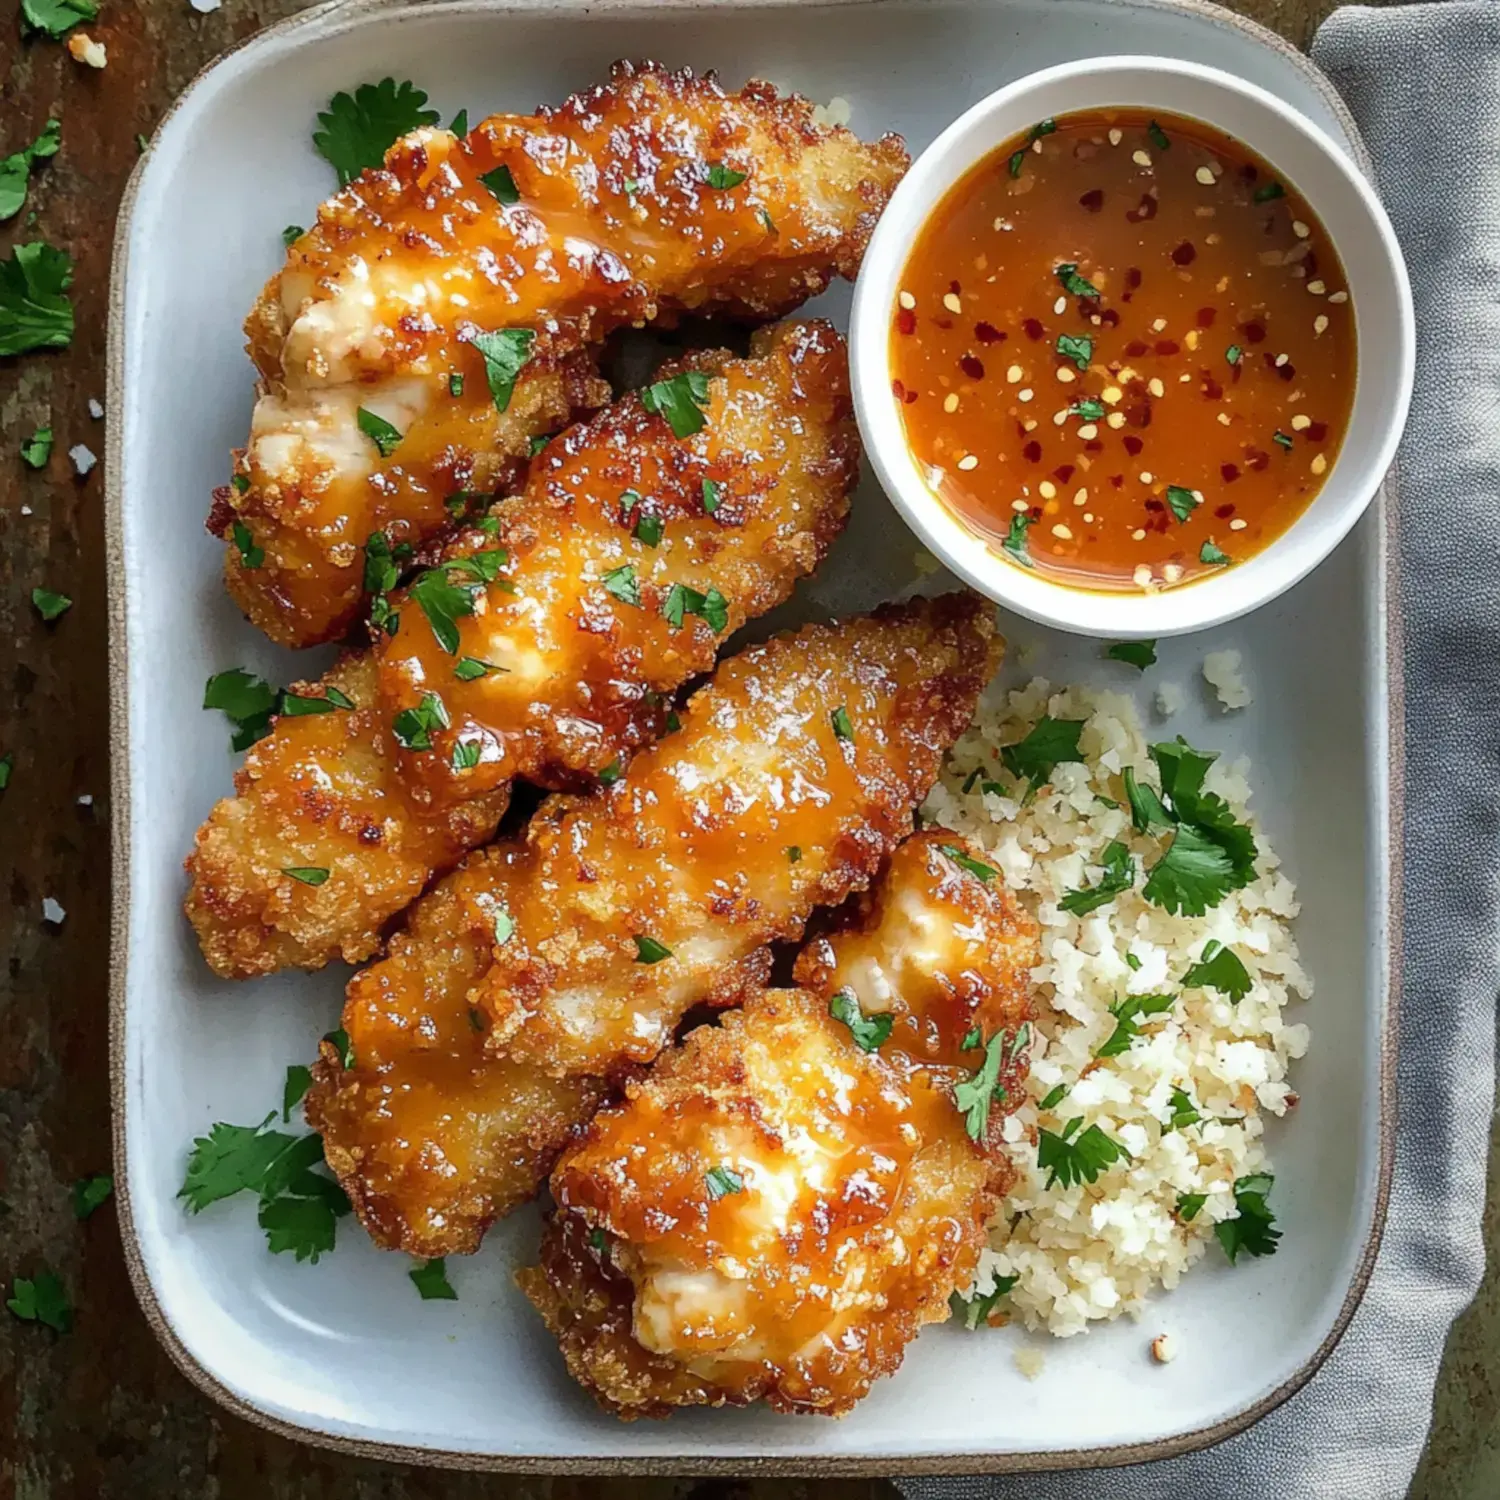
{"x": 1093, "y": 1251}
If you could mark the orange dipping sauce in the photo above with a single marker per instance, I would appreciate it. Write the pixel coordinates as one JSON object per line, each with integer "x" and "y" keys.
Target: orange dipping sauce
{"x": 1124, "y": 351}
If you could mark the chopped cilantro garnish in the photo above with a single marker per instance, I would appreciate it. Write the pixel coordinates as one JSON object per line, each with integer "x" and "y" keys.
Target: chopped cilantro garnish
{"x": 431, "y": 1282}
{"x": 982, "y": 872}
{"x": 649, "y": 951}
{"x": 1077, "y": 347}
{"x": 975, "y": 1311}
{"x": 37, "y": 449}
{"x": 35, "y": 312}
{"x": 1219, "y": 968}
{"x": 1087, "y": 408}
{"x": 974, "y": 1095}
{"x": 502, "y": 185}
{"x": 1146, "y": 810}
{"x": 294, "y": 1089}
{"x": 1281, "y": 439}
{"x": 291, "y": 234}
{"x": 1048, "y": 745}
{"x": 7, "y": 765}
{"x": 868, "y": 1031}
{"x": 1138, "y": 654}
{"x": 1158, "y": 137}
{"x": 724, "y": 177}
{"x": 1234, "y": 354}
{"x": 381, "y": 570}
{"x": 505, "y": 354}
{"x": 41, "y": 1299}
{"x": 681, "y": 401}
{"x": 460, "y": 125}
{"x": 1182, "y": 502}
{"x": 385, "y": 436}
{"x": 55, "y": 17}
{"x": 1253, "y": 1232}
{"x": 842, "y": 727}
{"x": 1133, "y": 962}
{"x": 722, "y": 1181}
{"x": 445, "y": 601}
{"x": 505, "y": 927}
{"x": 1015, "y": 540}
{"x": 1211, "y": 853}
{"x": 674, "y": 723}
{"x": 598, "y": 1240}
{"x": 1128, "y": 1014}
{"x": 1183, "y": 1113}
{"x": 307, "y": 874}
{"x": 536, "y": 444}
{"x": 649, "y": 529}
{"x": 413, "y": 727}
{"x": 299, "y": 705}
{"x": 49, "y": 605}
{"x": 359, "y": 128}
{"x": 711, "y": 607}
{"x": 245, "y": 700}
{"x": 1053, "y": 1097}
{"x": 766, "y": 219}
{"x": 1268, "y": 191}
{"x": 1074, "y": 284}
{"x": 1194, "y": 874}
{"x": 465, "y": 755}
{"x": 623, "y": 584}
{"x": 710, "y": 496}
{"x": 611, "y": 773}
{"x": 468, "y": 668}
{"x": 1209, "y": 553}
{"x": 793, "y": 854}
{"x": 89, "y": 1193}
{"x": 338, "y": 1039}
{"x": 1069, "y": 1157}
{"x": 1189, "y": 1205}
{"x": 1037, "y": 131}
{"x": 1118, "y": 876}
{"x": 251, "y": 556}
{"x": 455, "y": 385}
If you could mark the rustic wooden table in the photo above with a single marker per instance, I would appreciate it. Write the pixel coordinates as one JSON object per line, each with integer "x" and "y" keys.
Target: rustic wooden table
{"x": 101, "y": 1411}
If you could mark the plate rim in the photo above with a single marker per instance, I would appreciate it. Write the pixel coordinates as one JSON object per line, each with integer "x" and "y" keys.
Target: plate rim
{"x": 1385, "y": 685}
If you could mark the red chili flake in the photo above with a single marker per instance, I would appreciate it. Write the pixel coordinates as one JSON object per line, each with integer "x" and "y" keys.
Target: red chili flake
{"x": 1133, "y": 445}
{"x": 910, "y": 397}
{"x": 1135, "y": 348}
{"x": 1109, "y": 318}
{"x": 955, "y": 288}
{"x": 1032, "y": 452}
{"x": 1254, "y": 332}
{"x": 987, "y": 333}
{"x": 1269, "y": 359}
{"x": 1211, "y": 387}
{"x": 1206, "y": 316}
{"x": 1033, "y": 328}
{"x": 1257, "y": 458}
{"x": 1231, "y": 472}
{"x": 1168, "y": 346}
{"x": 1154, "y": 505}
{"x": 1310, "y": 261}
{"x": 1317, "y": 431}
{"x": 1249, "y": 172}
{"x": 1094, "y": 446}
{"x": 1287, "y": 371}
{"x": 971, "y": 367}
{"x": 1063, "y": 473}
{"x": 1035, "y": 512}
{"x": 1144, "y": 211}
{"x": 1185, "y": 254}
{"x": 1160, "y": 522}
{"x": 1132, "y": 277}
{"x": 898, "y": 390}
{"x": 945, "y": 324}
{"x": 1093, "y": 200}
{"x": 906, "y": 320}
{"x": 1117, "y": 480}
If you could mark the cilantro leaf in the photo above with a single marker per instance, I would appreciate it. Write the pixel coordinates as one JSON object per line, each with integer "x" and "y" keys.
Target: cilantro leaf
{"x": 443, "y": 602}
{"x": 681, "y": 601}
{"x": 611, "y": 773}
{"x": 1215, "y": 556}
{"x": 313, "y": 875}
{"x": 359, "y": 128}
{"x": 1158, "y": 137}
{"x": 1138, "y": 654}
{"x": 980, "y": 871}
{"x": 1037, "y": 131}
{"x": 230, "y": 1159}
{"x": 1281, "y": 439}
{"x": 975, "y": 1311}
{"x": 1015, "y": 540}
{"x": 724, "y": 177}
{"x": 1182, "y": 502}
{"x": 1219, "y": 968}
{"x": 868, "y": 1031}
{"x": 649, "y": 529}
{"x": 723, "y": 1181}
{"x": 460, "y": 125}
{"x": 465, "y": 755}
{"x": 305, "y": 1226}
{"x": 251, "y": 556}
{"x": 649, "y": 951}
{"x": 469, "y": 668}
{"x": 505, "y": 355}
{"x": 1253, "y": 1231}
{"x": 974, "y": 1095}
{"x": 1194, "y": 874}
{"x": 711, "y": 492}
{"x": 623, "y": 584}
{"x": 1189, "y": 1205}
{"x": 15, "y": 169}
{"x": 37, "y": 449}
{"x": 1234, "y": 354}
{"x": 41, "y": 1299}
{"x": 1118, "y": 876}
{"x": 431, "y": 1281}
{"x": 55, "y": 17}
{"x": 505, "y": 927}
{"x": 1077, "y": 347}
{"x": 339, "y": 1041}
{"x": 294, "y": 1090}
{"x": 1071, "y": 1160}
{"x": 1087, "y": 408}
{"x": 1048, "y": 745}
{"x": 1128, "y": 1013}
{"x": 1054, "y": 1096}
{"x": 35, "y": 312}
{"x": 381, "y": 570}
{"x": 414, "y": 727}
{"x": 1074, "y": 284}
{"x": 291, "y": 234}
{"x": 1146, "y": 810}
{"x": 843, "y": 729}
{"x": 303, "y": 705}
{"x": 680, "y": 400}
{"x": 502, "y": 185}
{"x": 385, "y": 436}
{"x": 1183, "y": 1110}
{"x": 49, "y": 605}
{"x": 89, "y": 1193}
{"x": 245, "y": 700}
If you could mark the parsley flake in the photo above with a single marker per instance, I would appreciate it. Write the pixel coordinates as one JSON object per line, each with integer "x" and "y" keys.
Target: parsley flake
{"x": 842, "y": 727}
{"x": 1253, "y": 1231}
{"x": 1268, "y": 191}
{"x": 724, "y": 177}
{"x": 1189, "y": 1205}
{"x": 37, "y": 449}
{"x": 460, "y": 125}
{"x": 35, "y": 312}
{"x": 975, "y": 1311}
{"x": 1137, "y": 654}
{"x": 1209, "y": 553}
{"x": 359, "y": 128}
{"x": 1158, "y": 137}
{"x": 1221, "y": 969}
{"x": 680, "y": 400}
{"x": 1077, "y": 347}
{"x": 974, "y": 1095}
{"x": 1118, "y": 876}
{"x": 611, "y": 773}
{"x": 469, "y": 668}
{"x": 505, "y": 354}
{"x": 414, "y": 727}
{"x": 1183, "y": 1113}
{"x": 502, "y": 185}
{"x": 505, "y": 927}
{"x": 868, "y": 1031}
{"x": 793, "y": 854}
{"x": 465, "y": 755}
{"x": 1049, "y": 744}
{"x": 1074, "y": 284}
{"x": 49, "y": 605}
{"x": 649, "y": 951}
{"x": 291, "y": 234}
{"x": 722, "y": 1181}
{"x": 649, "y": 529}
{"x": 710, "y": 496}
{"x": 1128, "y": 1014}
{"x": 1072, "y": 1158}
{"x": 1182, "y": 502}
{"x": 385, "y": 436}
{"x": 1037, "y": 131}
{"x": 1015, "y": 540}
{"x": 41, "y": 1299}
{"x": 431, "y": 1282}
{"x": 1053, "y": 1097}
{"x": 247, "y": 701}
{"x": 1087, "y": 408}
{"x": 1234, "y": 354}
{"x": 251, "y": 556}
{"x": 623, "y": 584}
{"x": 712, "y": 607}
{"x": 455, "y": 388}
{"x": 982, "y": 872}
{"x": 89, "y": 1193}
{"x": 308, "y": 874}
{"x": 1281, "y": 439}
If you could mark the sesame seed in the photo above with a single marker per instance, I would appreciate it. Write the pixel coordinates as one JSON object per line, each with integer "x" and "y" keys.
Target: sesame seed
{"x": 1061, "y": 305}
{"x": 1159, "y": 326}
{"x": 1138, "y": 535}
{"x": 1019, "y": 506}
{"x": 1014, "y": 374}
{"x": 1088, "y": 518}
{"x": 1142, "y": 576}
{"x": 1062, "y": 533}
{"x": 1190, "y": 338}
{"x": 1141, "y": 158}
{"x": 1319, "y": 464}
{"x": 1205, "y": 176}
{"x": 1047, "y": 490}
{"x": 1089, "y": 431}
{"x": 1156, "y": 387}
{"x": 1300, "y": 422}
{"x": 1066, "y": 375}
{"x": 1171, "y": 572}
{"x": 1204, "y": 211}
{"x": 1111, "y": 395}
{"x": 1223, "y": 419}
{"x": 1146, "y": 476}
{"x": 1281, "y": 359}
{"x": 1031, "y": 425}
{"x": 981, "y": 263}
{"x": 1338, "y": 296}
{"x": 1116, "y": 419}
{"x": 968, "y": 461}
{"x": 1059, "y": 417}
{"x": 907, "y": 300}
{"x": 952, "y": 303}
{"x": 1222, "y": 285}
{"x": 1300, "y": 229}
{"x": 1081, "y": 498}
{"x": 1316, "y": 288}
{"x": 1320, "y": 325}
{"x": 1025, "y": 393}
{"x": 1238, "y": 524}
{"x": 950, "y": 401}
{"x": 1115, "y": 137}
{"x": 1212, "y": 239}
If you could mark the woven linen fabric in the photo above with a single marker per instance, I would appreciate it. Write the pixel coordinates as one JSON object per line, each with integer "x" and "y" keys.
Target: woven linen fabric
{"x": 1423, "y": 83}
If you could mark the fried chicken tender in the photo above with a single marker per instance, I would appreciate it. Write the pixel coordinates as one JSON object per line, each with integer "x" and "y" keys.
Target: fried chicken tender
{"x": 573, "y": 955}
{"x": 321, "y": 795}
{"x": 623, "y": 544}
{"x": 490, "y": 263}
{"x": 778, "y": 1207}
{"x": 571, "y": 677}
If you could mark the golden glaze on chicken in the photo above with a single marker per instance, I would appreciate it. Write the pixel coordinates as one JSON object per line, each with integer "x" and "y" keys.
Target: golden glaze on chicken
{"x": 574, "y": 656}
{"x": 542, "y": 959}
{"x": 653, "y": 194}
{"x": 778, "y": 1207}
{"x": 321, "y": 792}
{"x": 583, "y": 674}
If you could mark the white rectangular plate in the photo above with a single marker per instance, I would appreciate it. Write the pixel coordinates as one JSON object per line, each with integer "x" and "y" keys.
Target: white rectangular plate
{"x": 344, "y": 1351}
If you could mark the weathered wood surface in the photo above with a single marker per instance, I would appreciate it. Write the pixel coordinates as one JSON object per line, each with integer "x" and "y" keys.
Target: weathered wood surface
{"x": 102, "y": 1412}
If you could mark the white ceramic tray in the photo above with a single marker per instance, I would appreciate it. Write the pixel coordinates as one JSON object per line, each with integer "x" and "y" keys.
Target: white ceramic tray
{"x": 344, "y": 1352}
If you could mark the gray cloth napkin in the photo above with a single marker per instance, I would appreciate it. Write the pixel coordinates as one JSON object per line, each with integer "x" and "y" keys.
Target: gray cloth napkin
{"x": 1423, "y": 83}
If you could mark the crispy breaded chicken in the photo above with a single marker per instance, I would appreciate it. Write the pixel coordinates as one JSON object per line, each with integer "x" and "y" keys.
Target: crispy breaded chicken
{"x": 574, "y": 954}
{"x": 632, "y": 554}
{"x": 488, "y": 263}
{"x": 321, "y": 795}
{"x": 555, "y": 675}
{"x": 777, "y": 1208}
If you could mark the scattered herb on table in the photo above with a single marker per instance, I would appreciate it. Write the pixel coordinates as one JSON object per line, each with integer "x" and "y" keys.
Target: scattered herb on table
{"x": 50, "y": 605}
{"x": 15, "y": 169}
{"x": 89, "y": 1193}
{"x": 35, "y": 312}
{"x": 41, "y": 1299}
{"x": 1137, "y": 654}
{"x": 37, "y": 449}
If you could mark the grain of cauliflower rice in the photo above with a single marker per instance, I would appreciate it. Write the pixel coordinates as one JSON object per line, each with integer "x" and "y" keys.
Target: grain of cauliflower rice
{"x": 1093, "y": 1251}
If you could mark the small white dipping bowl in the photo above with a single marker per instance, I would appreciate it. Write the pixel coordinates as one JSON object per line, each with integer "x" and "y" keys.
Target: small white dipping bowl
{"x": 1356, "y": 223}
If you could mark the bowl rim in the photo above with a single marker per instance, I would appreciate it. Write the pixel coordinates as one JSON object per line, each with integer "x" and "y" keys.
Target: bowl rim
{"x": 1122, "y": 614}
